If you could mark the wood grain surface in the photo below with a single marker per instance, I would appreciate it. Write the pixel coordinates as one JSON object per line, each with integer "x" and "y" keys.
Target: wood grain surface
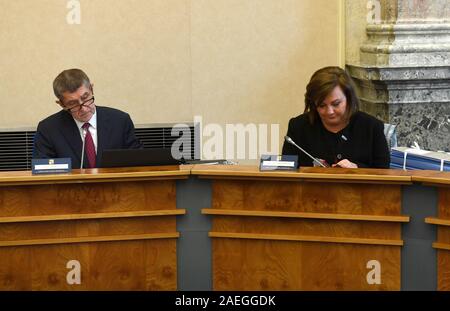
{"x": 97, "y": 175}
{"x": 39, "y": 200}
{"x": 284, "y": 265}
{"x": 443, "y": 239}
{"x": 325, "y": 243}
{"x": 131, "y": 265}
{"x": 122, "y": 232}
{"x": 436, "y": 178}
{"x": 261, "y": 195}
{"x": 384, "y": 176}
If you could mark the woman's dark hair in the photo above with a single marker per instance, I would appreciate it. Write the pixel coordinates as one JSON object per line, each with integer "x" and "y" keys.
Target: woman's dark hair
{"x": 322, "y": 82}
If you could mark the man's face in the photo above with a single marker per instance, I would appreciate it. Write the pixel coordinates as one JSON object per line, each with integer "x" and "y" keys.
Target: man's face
{"x": 80, "y": 104}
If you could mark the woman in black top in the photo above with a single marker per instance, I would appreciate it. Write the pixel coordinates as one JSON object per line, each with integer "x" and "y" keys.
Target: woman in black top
{"x": 333, "y": 129}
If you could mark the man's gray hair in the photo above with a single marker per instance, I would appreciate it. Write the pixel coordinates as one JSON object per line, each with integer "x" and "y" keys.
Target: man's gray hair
{"x": 69, "y": 80}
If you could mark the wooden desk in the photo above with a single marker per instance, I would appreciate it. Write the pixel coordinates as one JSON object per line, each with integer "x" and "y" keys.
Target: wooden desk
{"x": 118, "y": 224}
{"x": 442, "y": 221}
{"x": 317, "y": 229}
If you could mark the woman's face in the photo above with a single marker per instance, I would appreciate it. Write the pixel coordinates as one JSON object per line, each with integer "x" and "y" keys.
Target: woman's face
{"x": 333, "y": 109}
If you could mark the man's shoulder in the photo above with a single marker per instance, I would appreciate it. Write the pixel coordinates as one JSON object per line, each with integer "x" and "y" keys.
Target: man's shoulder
{"x": 111, "y": 112}
{"x": 60, "y": 116}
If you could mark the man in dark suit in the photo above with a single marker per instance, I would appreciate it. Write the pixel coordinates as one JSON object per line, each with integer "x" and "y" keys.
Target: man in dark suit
{"x": 62, "y": 134}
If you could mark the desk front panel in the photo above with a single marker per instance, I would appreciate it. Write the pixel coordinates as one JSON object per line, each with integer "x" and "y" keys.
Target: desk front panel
{"x": 305, "y": 235}
{"x": 443, "y": 239}
{"x": 88, "y": 236}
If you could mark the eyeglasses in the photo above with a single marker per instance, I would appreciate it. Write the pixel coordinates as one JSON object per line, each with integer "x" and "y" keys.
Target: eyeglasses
{"x": 86, "y": 103}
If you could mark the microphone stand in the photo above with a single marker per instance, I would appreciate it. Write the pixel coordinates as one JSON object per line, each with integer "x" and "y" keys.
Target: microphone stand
{"x": 289, "y": 140}
{"x": 83, "y": 138}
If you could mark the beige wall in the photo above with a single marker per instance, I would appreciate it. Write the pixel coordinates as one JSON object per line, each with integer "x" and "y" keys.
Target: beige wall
{"x": 135, "y": 52}
{"x": 355, "y": 29}
{"x": 230, "y": 61}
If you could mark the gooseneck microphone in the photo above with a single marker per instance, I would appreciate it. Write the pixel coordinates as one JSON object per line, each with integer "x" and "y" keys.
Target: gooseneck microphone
{"x": 289, "y": 140}
{"x": 83, "y": 139}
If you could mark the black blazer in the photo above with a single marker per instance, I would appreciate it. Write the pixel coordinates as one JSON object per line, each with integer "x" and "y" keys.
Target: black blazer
{"x": 361, "y": 142}
{"x": 58, "y": 136}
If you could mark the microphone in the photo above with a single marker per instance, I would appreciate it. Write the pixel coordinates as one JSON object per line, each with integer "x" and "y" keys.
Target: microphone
{"x": 289, "y": 140}
{"x": 83, "y": 138}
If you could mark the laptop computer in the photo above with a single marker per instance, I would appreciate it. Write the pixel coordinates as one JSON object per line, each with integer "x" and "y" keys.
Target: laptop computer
{"x": 137, "y": 157}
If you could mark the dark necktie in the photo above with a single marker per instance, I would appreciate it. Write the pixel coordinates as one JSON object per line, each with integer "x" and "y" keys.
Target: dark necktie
{"x": 89, "y": 147}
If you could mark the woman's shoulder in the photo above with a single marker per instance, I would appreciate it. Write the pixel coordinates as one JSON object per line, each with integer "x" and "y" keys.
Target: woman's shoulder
{"x": 300, "y": 120}
{"x": 361, "y": 117}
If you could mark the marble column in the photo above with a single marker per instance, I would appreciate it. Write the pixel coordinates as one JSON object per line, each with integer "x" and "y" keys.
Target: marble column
{"x": 403, "y": 72}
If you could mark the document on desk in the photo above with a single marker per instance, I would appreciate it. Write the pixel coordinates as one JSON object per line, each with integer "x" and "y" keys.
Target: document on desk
{"x": 409, "y": 158}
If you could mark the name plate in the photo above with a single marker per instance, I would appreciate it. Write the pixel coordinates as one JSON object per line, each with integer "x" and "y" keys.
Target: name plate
{"x": 278, "y": 162}
{"x": 51, "y": 166}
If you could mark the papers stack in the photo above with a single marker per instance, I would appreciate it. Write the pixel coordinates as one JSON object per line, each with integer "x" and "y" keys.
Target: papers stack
{"x": 417, "y": 159}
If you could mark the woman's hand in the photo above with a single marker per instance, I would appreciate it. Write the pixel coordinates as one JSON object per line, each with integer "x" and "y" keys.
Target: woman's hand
{"x": 345, "y": 164}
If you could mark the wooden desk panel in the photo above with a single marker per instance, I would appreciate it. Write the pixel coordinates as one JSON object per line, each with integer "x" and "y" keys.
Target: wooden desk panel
{"x": 443, "y": 240}
{"x": 267, "y": 251}
{"x": 307, "y": 197}
{"x": 315, "y": 174}
{"x": 434, "y": 178}
{"x": 119, "y": 225}
{"x": 315, "y": 229}
{"x": 86, "y": 198}
{"x": 124, "y": 265}
{"x": 442, "y": 181}
{"x": 241, "y": 264}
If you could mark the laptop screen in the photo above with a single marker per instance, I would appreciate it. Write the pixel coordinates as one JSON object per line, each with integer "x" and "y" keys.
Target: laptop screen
{"x": 137, "y": 157}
